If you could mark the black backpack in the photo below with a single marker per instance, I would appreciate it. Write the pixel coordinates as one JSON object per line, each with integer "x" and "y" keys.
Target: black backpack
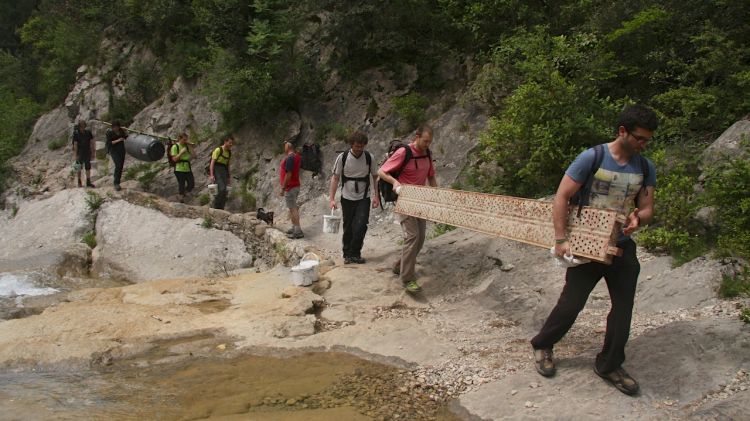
{"x": 386, "y": 189}
{"x": 366, "y": 178}
{"x": 582, "y": 196}
{"x": 312, "y": 158}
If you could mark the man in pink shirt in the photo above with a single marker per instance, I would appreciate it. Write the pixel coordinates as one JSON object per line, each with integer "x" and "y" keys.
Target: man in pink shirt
{"x": 417, "y": 170}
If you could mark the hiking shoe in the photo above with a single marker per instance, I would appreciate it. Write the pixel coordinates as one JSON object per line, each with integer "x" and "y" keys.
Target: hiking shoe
{"x": 358, "y": 260}
{"x": 117, "y": 187}
{"x": 296, "y": 235}
{"x": 348, "y": 260}
{"x": 412, "y": 286}
{"x": 621, "y": 380}
{"x": 289, "y": 231}
{"x": 543, "y": 362}
{"x": 90, "y": 184}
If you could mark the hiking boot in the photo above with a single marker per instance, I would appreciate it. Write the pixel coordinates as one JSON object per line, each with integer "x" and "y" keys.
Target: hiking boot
{"x": 289, "y": 231}
{"x": 412, "y": 286}
{"x": 117, "y": 187}
{"x": 543, "y": 362}
{"x": 348, "y": 260}
{"x": 358, "y": 260}
{"x": 621, "y": 380}
{"x": 90, "y": 184}
{"x": 295, "y": 235}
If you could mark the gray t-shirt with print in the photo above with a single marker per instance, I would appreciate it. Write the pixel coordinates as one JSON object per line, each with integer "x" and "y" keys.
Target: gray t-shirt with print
{"x": 615, "y": 186}
{"x": 355, "y": 168}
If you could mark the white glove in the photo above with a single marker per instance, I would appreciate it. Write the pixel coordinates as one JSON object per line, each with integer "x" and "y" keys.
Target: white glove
{"x": 568, "y": 261}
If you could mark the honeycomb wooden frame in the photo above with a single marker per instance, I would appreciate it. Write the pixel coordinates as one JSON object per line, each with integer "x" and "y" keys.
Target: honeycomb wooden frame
{"x": 593, "y": 235}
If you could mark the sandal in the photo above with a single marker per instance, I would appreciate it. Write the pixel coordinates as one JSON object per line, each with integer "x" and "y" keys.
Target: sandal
{"x": 621, "y": 380}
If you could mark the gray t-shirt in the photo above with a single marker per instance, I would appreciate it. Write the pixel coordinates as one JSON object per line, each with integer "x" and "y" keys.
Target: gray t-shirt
{"x": 355, "y": 168}
{"x": 615, "y": 186}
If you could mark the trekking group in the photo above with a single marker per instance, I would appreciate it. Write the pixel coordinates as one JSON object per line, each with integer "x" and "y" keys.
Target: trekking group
{"x": 612, "y": 175}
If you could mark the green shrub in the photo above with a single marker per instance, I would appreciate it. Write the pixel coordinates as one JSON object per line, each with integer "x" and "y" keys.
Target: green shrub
{"x": 132, "y": 172}
{"x": 149, "y": 175}
{"x": 94, "y": 201}
{"x": 208, "y": 222}
{"x": 675, "y": 203}
{"x": 745, "y": 315}
{"x": 411, "y": 108}
{"x": 204, "y": 199}
{"x": 735, "y": 286}
{"x": 440, "y": 229}
{"x": 331, "y": 131}
{"x": 89, "y": 239}
{"x": 56, "y": 144}
{"x": 728, "y": 192}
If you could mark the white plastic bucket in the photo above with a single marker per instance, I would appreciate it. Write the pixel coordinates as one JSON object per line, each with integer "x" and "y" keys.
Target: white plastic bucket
{"x": 305, "y": 273}
{"x": 213, "y": 189}
{"x": 331, "y": 223}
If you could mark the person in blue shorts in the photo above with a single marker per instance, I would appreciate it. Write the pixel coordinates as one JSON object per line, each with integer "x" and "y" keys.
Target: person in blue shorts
{"x": 623, "y": 181}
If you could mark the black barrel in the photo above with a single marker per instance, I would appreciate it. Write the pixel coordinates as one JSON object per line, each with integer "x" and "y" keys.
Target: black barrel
{"x": 144, "y": 147}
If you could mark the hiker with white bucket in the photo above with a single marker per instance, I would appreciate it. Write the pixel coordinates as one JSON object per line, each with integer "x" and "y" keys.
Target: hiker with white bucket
{"x": 357, "y": 174}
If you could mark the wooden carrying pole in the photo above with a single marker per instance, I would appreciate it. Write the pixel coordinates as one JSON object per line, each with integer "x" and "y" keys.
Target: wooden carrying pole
{"x": 593, "y": 235}
{"x": 162, "y": 138}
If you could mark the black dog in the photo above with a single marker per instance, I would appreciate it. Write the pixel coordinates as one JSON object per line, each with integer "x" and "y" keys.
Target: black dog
{"x": 265, "y": 216}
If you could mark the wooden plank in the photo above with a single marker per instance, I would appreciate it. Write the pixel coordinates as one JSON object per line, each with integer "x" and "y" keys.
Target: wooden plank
{"x": 592, "y": 236}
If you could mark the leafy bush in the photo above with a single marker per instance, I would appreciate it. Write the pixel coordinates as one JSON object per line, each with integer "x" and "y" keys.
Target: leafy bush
{"x": 440, "y": 229}
{"x": 728, "y": 192}
{"x": 745, "y": 315}
{"x": 56, "y": 144}
{"x": 675, "y": 204}
{"x": 735, "y": 286}
{"x": 333, "y": 130}
{"x": 411, "y": 108}
{"x": 208, "y": 222}
{"x": 204, "y": 199}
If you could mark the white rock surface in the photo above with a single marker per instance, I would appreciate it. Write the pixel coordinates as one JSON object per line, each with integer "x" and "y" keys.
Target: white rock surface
{"x": 141, "y": 244}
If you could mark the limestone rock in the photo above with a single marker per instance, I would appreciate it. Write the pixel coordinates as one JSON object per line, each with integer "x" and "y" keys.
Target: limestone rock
{"x": 46, "y": 233}
{"x": 141, "y": 244}
{"x": 728, "y": 145}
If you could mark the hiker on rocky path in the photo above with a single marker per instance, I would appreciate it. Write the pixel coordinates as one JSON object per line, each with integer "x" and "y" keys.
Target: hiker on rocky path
{"x": 355, "y": 170}
{"x": 115, "y": 144}
{"x": 290, "y": 185}
{"x": 218, "y": 171}
{"x": 183, "y": 171}
{"x": 622, "y": 179}
{"x": 418, "y": 171}
{"x": 84, "y": 149}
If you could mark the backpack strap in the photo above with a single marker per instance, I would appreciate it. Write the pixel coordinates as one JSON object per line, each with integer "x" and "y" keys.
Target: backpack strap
{"x": 645, "y": 170}
{"x": 582, "y": 195}
{"x": 366, "y": 178}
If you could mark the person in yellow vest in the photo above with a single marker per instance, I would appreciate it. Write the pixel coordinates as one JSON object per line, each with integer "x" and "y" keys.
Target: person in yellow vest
{"x": 219, "y": 171}
{"x": 182, "y": 153}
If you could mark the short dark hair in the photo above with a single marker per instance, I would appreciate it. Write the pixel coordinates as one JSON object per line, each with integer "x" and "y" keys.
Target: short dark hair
{"x": 638, "y": 115}
{"x": 357, "y": 137}
{"x": 423, "y": 128}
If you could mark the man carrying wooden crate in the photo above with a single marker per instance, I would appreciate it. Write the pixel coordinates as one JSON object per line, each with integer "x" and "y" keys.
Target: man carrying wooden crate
{"x": 612, "y": 176}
